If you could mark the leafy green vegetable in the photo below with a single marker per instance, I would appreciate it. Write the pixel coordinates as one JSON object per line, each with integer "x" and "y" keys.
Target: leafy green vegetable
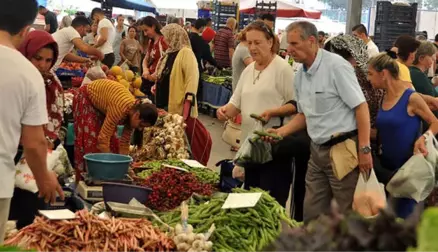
{"x": 350, "y": 232}
{"x": 204, "y": 175}
{"x": 427, "y": 231}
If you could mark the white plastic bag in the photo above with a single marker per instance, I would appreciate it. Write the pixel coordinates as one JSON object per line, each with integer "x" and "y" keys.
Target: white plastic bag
{"x": 125, "y": 65}
{"x": 369, "y": 196}
{"x": 24, "y": 178}
{"x": 414, "y": 180}
{"x": 431, "y": 146}
{"x": 95, "y": 73}
{"x": 253, "y": 150}
{"x": 238, "y": 173}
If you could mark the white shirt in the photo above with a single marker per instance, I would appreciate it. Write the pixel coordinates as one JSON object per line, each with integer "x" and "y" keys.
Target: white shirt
{"x": 108, "y": 46}
{"x": 65, "y": 38}
{"x": 373, "y": 50}
{"x": 256, "y": 93}
{"x": 22, "y": 102}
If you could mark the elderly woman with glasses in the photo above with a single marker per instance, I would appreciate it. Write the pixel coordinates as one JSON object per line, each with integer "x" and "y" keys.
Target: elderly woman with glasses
{"x": 424, "y": 59}
{"x": 265, "y": 84}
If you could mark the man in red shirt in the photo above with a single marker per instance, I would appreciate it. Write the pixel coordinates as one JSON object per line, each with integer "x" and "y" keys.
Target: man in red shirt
{"x": 209, "y": 33}
{"x": 224, "y": 44}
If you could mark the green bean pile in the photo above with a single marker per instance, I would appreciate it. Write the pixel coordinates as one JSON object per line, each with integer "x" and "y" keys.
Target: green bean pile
{"x": 245, "y": 229}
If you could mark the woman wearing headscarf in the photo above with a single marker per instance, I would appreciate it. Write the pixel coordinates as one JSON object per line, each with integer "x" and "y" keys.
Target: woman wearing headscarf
{"x": 177, "y": 72}
{"x": 41, "y": 49}
{"x": 354, "y": 50}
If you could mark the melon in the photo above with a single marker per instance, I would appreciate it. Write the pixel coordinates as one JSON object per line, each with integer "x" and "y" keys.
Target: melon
{"x": 116, "y": 70}
{"x": 137, "y": 82}
{"x": 129, "y": 75}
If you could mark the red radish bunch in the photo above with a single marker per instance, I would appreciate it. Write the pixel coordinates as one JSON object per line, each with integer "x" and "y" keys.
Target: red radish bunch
{"x": 171, "y": 187}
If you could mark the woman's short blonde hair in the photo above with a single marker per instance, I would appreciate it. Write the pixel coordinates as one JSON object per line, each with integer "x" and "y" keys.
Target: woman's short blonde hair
{"x": 426, "y": 49}
{"x": 385, "y": 61}
{"x": 242, "y": 36}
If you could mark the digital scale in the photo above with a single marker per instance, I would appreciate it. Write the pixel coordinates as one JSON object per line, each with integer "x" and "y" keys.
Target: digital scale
{"x": 91, "y": 190}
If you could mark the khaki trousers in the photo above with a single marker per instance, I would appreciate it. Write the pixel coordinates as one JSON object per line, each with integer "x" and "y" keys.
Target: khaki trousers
{"x": 322, "y": 185}
{"x": 4, "y": 214}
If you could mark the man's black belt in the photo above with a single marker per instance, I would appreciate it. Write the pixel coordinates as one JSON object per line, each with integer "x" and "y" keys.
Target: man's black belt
{"x": 339, "y": 139}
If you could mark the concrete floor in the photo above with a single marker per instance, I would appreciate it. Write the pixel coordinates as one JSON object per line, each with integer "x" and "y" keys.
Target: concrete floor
{"x": 220, "y": 149}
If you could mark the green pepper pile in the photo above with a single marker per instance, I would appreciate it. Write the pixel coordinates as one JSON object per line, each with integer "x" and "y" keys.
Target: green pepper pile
{"x": 216, "y": 80}
{"x": 245, "y": 229}
{"x": 204, "y": 175}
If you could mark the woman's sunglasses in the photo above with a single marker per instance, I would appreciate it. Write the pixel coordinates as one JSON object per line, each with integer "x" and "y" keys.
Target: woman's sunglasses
{"x": 262, "y": 25}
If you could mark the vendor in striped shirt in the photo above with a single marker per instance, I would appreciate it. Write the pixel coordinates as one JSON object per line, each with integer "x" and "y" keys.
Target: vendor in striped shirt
{"x": 98, "y": 109}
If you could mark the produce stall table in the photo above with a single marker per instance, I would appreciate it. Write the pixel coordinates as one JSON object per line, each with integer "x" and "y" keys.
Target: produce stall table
{"x": 215, "y": 95}
{"x": 216, "y": 92}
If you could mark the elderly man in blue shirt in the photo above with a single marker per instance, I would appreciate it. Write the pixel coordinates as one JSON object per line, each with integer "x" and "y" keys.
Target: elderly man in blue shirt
{"x": 332, "y": 107}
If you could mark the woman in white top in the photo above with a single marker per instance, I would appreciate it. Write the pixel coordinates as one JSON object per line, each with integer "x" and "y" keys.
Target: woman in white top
{"x": 265, "y": 84}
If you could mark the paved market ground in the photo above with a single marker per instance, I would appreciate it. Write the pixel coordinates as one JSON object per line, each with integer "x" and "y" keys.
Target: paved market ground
{"x": 220, "y": 149}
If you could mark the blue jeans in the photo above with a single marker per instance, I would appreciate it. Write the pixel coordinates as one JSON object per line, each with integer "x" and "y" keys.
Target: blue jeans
{"x": 404, "y": 207}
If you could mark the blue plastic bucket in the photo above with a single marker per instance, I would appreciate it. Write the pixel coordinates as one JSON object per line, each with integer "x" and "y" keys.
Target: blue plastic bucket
{"x": 107, "y": 166}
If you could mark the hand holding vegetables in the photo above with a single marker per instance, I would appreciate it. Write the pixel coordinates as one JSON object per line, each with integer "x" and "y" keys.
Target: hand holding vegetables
{"x": 267, "y": 115}
{"x": 273, "y": 135}
{"x": 259, "y": 118}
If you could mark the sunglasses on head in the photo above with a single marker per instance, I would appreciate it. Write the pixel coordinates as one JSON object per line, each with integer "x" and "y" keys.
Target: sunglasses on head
{"x": 262, "y": 25}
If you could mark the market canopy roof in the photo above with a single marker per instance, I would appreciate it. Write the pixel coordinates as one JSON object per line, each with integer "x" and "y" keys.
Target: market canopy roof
{"x": 285, "y": 9}
{"x": 139, "y": 5}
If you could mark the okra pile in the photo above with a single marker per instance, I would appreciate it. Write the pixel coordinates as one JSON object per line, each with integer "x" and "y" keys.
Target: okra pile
{"x": 245, "y": 229}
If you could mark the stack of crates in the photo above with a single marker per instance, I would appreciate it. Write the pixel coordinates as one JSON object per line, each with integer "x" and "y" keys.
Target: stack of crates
{"x": 221, "y": 12}
{"x": 262, "y": 7}
{"x": 393, "y": 20}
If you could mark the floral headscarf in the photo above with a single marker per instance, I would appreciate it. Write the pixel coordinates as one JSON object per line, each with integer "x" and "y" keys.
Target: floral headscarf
{"x": 176, "y": 38}
{"x": 358, "y": 50}
{"x": 34, "y": 41}
{"x": 355, "y": 46}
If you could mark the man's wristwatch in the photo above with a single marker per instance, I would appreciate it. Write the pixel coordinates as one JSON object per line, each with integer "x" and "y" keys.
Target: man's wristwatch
{"x": 365, "y": 149}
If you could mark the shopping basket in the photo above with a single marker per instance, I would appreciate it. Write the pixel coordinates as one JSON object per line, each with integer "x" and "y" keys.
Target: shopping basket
{"x": 198, "y": 136}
